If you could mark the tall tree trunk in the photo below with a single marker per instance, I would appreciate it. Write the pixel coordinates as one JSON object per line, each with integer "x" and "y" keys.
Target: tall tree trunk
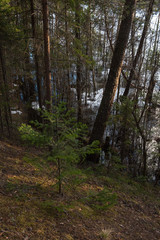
{"x": 28, "y": 79}
{"x": 36, "y": 53}
{"x": 5, "y": 94}
{"x": 155, "y": 62}
{"x": 78, "y": 67}
{"x": 140, "y": 47}
{"x": 48, "y": 92}
{"x": 136, "y": 59}
{"x": 114, "y": 74}
{"x": 151, "y": 86}
{"x": 67, "y": 54}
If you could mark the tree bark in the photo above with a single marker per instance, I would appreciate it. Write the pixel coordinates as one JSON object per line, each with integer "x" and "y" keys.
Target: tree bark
{"x": 36, "y": 53}
{"x": 5, "y": 93}
{"x": 48, "y": 92}
{"x": 114, "y": 74}
{"x": 78, "y": 64}
{"x": 28, "y": 79}
{"x": 68, "y": 59}
{"x": 1, "y": 121}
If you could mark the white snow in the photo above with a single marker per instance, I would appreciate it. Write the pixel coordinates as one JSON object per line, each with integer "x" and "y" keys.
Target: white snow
{"x": 16, "y": 112}
{"x": 97, "y": 99}
{"x": 35, "y": 105}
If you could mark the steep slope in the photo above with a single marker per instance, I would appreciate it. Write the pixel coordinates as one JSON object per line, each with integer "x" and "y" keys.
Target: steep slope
{"x": 30, "y": 207}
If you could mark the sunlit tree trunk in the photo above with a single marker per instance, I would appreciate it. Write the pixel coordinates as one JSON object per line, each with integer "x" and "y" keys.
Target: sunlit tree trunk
{"x": 48, "y": 92}
{"x": 114, "y": 74}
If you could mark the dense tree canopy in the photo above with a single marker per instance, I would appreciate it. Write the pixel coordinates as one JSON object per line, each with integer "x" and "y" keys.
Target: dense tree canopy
{"x": 67, "y": 51}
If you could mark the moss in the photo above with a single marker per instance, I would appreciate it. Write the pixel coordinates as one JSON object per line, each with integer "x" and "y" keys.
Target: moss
{"x": 81, "y": 209}
{"x": 52, "y": 208}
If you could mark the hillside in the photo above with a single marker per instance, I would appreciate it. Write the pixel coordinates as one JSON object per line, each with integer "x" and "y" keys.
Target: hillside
{"x": 31, "y": 209}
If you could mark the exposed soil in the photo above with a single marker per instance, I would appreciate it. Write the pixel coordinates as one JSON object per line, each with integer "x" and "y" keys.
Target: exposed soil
{"x": 27, "y": 195}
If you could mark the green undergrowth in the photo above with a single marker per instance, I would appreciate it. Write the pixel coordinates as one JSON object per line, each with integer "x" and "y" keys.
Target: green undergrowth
{"x": 101, "y": 201}
{"x": 101, "y": 191}
{"x": 38, "y": 162}
{"x": 52, "y": 208}
{"x": 122, "y": 182}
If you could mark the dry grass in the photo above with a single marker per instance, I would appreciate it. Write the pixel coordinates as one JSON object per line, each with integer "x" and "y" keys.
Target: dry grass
{"x": 106, "y": 234}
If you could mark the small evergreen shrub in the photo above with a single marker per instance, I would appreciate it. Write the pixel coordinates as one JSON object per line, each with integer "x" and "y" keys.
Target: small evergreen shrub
{"x": 64, "y": 138}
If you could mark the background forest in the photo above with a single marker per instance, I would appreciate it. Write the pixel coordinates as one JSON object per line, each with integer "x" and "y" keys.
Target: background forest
{"x": 75, "y": 52}
{"x": 79, "y": 119}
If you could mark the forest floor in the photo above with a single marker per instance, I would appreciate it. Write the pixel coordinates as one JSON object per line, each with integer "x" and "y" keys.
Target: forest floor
{"x": 31, "y": 208}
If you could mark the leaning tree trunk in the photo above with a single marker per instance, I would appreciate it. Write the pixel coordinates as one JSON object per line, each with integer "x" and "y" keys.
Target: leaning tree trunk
{"x": 48, "y": 92}
{"x": 114, "y": 74}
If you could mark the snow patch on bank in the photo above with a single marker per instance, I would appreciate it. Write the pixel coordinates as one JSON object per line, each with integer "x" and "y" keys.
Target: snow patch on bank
{"x": 16, "y": 112}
